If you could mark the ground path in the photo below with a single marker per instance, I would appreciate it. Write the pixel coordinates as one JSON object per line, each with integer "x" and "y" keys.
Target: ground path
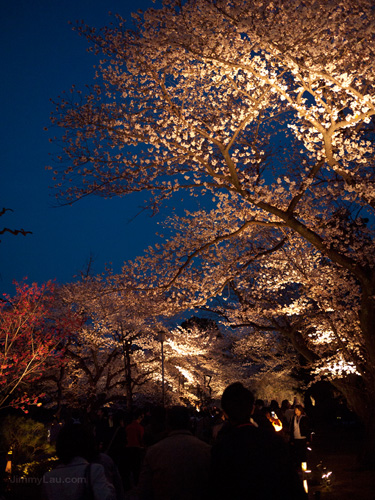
{"x": 338, "y": 449}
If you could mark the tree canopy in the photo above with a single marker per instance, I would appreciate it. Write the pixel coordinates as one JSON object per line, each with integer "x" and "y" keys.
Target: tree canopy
{"x": 267, "y": 107}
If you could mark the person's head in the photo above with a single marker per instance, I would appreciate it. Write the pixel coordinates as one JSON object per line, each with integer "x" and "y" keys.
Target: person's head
{"x": 74, "y": 440}
{"x": 237, "y": 402}
{"x": 274, "y": 405}
{"x": 158, "y": 417}
{"x": 299, "y": 410}
{"x": 138, "y": 415}
{"x": 285, "y": 405}
{"x": 178, "y": 418}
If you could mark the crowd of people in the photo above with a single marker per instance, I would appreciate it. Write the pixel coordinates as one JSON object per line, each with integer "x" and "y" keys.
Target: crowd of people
{"x": 243, "y": 451}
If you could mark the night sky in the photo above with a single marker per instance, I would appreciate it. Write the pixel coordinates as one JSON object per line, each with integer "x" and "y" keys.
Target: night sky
{"x": 41, "y": 57}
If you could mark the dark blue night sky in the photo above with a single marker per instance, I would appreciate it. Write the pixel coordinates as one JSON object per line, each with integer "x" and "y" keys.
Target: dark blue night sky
{"x": 41, "y": 57}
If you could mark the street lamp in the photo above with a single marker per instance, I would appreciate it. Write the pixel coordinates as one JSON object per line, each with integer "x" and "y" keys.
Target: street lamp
{"x": 161, "y": 337}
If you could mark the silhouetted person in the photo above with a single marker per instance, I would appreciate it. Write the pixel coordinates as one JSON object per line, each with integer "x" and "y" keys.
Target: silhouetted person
{"x": 299, "y": 435}
{"x": 285, "y": 412}
{"x": 274, "y": 406}
{"x": 102, "y": 430}
{"x": 134, "y": 447}
{"x": 155, "y": 429}
{"x": 116, "y": 449}
{"x": 259, "y": 416}
{"x": 248, "y": 462}
{"x": 177, "y": 467}
{"x": 76, "y": 476}
{"x": 111, "y": 473}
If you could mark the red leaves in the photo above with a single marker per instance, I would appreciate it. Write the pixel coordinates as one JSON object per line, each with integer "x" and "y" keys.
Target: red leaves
{"x": 31, "y": 328}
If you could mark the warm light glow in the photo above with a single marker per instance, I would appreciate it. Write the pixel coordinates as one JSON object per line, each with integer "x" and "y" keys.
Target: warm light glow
{"x": 326, "y": 475}
{"x": 305, "y": 486}
{"x": 336, "y": 366}
{"x": 184, "y": 350}
{"x": 294, "y": 308}
{"x": 8, "y": 467}
{"x": 277, "y": 426}
{"x": 321, "y": 336}
{"x": 189, "y": 377}
{"x": 275, "y": 421}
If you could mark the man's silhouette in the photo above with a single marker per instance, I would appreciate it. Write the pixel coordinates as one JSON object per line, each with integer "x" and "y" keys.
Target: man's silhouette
{"x": 248, "y": 462}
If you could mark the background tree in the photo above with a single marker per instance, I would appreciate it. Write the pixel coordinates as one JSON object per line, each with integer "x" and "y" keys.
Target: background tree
{"x": 27, "y": 439}
{"x": 199, "y": 363}
{"x": 30, "y": 334}
{"x": 262, "y": 105}
{"x": 271, "y": 372}
{"x": 115, "y": 354}
{"x": 268, "y": 359}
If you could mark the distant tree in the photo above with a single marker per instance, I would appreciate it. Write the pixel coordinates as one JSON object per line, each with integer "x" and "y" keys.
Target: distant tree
{"x": 26, "y": 438}
{"x": 30, "y": 334}
{"x": 257, "y": 352}
{"x": 199, "y": 361}
{"x": 271, "y": 363}
{"x": 90, "y": 374}
{"x": 107, "y": 363}
{"x": 114, "y": 355}
{"x": 269, "y": 108}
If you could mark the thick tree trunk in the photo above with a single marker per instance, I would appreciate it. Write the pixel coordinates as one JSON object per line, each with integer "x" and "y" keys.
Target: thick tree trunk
{"x": 361, "y": 400}
{"x": 360, "y": 390}
{"x": 367, "y": 453}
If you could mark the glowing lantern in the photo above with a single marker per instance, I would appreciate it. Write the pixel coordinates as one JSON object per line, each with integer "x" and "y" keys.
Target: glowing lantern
{"x": 305, "y": 486}
{"x": 277, "y": 425}
{"x": 275, "y": 421}
{"x": 8, "y": 468}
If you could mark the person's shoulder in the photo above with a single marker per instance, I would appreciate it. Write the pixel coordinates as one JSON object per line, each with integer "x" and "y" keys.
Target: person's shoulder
{"x": 241, "y": 433}
{"x": 257, "y": 435}
{"x": 104, "y": 459}
{"x": 101, "y": 486}
{"x": 74, "y": 469}
{"x": 201, "y": 443}
{"x": 50, "y": 474}
{"x": 96, "y": 467}
{"x": 170, "y": 438}
{"x": 158, "y": 445}
{"x": 173, "y": 438}
{"x": 272, "y": 441}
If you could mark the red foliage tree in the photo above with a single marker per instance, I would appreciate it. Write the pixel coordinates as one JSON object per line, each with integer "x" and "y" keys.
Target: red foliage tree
{"x": 31, "y": 329}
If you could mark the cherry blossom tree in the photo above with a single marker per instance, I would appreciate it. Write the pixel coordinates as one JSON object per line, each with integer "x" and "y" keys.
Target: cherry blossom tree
{"x": 199, "y": 362}
{"x": 264, "y": 111}
{"x": 30, "y": 334}
{"x": 115, "y": 354}
{"x": 271, "y": 372}
{"x": 90, "y": 374}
